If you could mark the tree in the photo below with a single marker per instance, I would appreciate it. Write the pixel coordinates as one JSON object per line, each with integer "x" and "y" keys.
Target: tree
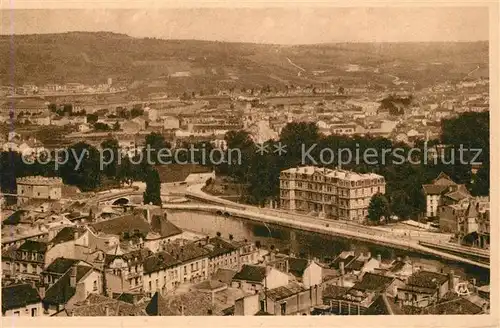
{"x": 101, "y": 126}
{"x": 82, "y": 170}
{"x": 153, "y": 188}
{"x": 111, "y": 153}
{"x": 378, "y": 208}
{"x": 92, "y": 118}
{"x": 231, "y": 237}
{"x": 136, "y": 112}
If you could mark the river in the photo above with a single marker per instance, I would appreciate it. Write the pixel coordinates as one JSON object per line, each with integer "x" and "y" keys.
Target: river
{"x": 308, "y": 244}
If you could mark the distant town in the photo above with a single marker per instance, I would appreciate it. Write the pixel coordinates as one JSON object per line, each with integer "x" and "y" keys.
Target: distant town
{"x": 270, "y": 236}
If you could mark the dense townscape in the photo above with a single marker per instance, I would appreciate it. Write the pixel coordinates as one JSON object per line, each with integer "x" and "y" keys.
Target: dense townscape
{"x": 101, "y": 171}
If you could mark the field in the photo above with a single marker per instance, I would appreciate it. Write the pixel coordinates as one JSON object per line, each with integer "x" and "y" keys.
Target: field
{"x": 176, "y": 66}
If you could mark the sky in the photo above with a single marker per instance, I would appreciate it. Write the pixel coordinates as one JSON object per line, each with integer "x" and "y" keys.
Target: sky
{"x": 262, "y": 25}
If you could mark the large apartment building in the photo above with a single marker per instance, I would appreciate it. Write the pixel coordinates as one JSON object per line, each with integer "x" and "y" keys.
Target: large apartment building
{"x": 337, "y": 193}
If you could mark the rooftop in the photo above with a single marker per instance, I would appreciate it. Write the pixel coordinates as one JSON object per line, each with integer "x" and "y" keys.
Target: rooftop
{"x": 427, "y": 279}
{"x": 98, "y": 305}
{"x": 18, "y": 296}
{"x": 251, "y": 273}
{"x": 283, "y": 292}
{"x": 337, "y": 173}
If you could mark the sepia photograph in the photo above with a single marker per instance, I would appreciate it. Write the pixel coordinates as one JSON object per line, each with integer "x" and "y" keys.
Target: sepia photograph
{"x": 247, "y": 160}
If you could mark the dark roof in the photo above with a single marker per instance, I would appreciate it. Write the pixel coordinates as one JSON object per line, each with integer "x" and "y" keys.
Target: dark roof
{"x": 456, "y": 306}
{"x": 251, "y": 273}
{"x": 224, "y": 275}
{"x": 217, "y": 246}
{"x": 66, "y": 234}
{"x": 333, "y": 291}
{"x": 373, "y": 282}
{"x": 127, "y": 297}
{"x": 14, "y": 218}
{"x": 159, "y": 261}
{"x": 95, "y": 305}
{"x": 283, "y": 292}
{"x": 356, "y": 265}
{"x": 378, "y": 307}
{"x": 187, "y": 252}
{"x": 164, "y": 227}
{"x": 297, "y": 266}
{"x": 61, "y": 291}
{"x": 128, "y": 223}
{"x": 427, "y": 279}
{"x": 336, "y": 263}
{"x": 18, "y": 296}
{"x": 61, "y": 265}
{"x": 33, "y": 246}
{"x": 397, "y": 266}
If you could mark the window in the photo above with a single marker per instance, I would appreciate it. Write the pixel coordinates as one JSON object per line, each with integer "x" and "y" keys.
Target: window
{"x": 17, "y": 313}
{"x": 95, "y": 286}
{"x": 33, "y": 312}
{"x": 192, "y": 266}
{"x": 262, "y": 305}
{"x": 156, "y": 283}
{"x": 150, "y": 285}
{"x": 185, "y": 270}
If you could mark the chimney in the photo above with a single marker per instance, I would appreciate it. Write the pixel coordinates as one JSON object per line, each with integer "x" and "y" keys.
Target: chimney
{"x": 451, "y": 280}
{"x": 75, "y": 234}
{"x": 398, "y": 258}
{"x": 72, "y": 280}
{"x": 106, "y": 309}
{"x": 287, "y": 266}
{"x": 341, "y": 267}
{"x": 379, "y": 258}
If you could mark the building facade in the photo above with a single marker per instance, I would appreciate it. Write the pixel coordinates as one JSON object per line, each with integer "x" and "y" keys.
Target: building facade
{"x": 39, "y": 188}
{"x": 336, "y": 193}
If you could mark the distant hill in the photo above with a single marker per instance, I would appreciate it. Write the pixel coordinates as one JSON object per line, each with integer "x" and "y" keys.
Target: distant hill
{"x": 204, "y": 65}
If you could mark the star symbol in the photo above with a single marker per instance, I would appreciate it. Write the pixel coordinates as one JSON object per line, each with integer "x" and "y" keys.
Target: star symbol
{"x": 280, "y": 148}
{"x": 262, "y": 149}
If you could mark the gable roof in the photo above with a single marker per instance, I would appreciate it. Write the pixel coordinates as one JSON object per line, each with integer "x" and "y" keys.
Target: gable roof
{"x": 159, "y": 261}
{"x": 217, "y": 246}
{"x": 373, "y": 282}
{"x": 66, "y": 234}
{"x": 61, "y": 291}
{"x": 33, "y": 246}
{"x": 164, "y": 227}
{"x": 61, "y": 265}
{"x": 128, "y": 223}
{"x": 427, "y": 279}
{"x": 297, "y": 266}
{"x": 251, "y": 273}
{"x": 432, "y": 189}
{"x": 14, "y": 218}
{"x": 282, "y": 292}
{"x": 19, "y": 296}
{"x": 444, "y": 180}
{"x": 224, "y": 275}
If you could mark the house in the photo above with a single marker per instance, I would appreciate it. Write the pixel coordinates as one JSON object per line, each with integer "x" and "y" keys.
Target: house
{"x": 129, "y": 266}
{"x": 192, "y": 303}
{"x": 424, "y": 288}
{"x": 442, "y": 187}
{"x": 306, "y": 272}
{"x": 254, "y": 278}
{"x": 178, "y": 264}
{"x": 27, "y": 261}
{"x": 21, "y": 300}
{"x": 68, "y": 281}
{"x": 291, "y": 299}
{"x": 360, "y": 298}
{"x": 221, "y": 255}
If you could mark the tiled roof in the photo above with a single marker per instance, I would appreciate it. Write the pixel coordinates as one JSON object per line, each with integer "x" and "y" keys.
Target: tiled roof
{"x": 210, "y": 285}
{"x": 18, "y": 296}
{"x": 251, "y": 273}
{"x": 397, "y": 266}
{"x": 128, "y": 297}
{"x": 355, "y": 265}
{"x": 373, "y": 282}
{"x": 188, "y": 304}
{"x": 164, "y": 227}
{"x": 427, "y": 279}
{"x": 282, "y": 292}
{"x": 159, "y": 261}
{"x": 61, "y": 265}
{"x": 128, "y": 223}
{"x": 33, "y": 246}
{"x": 66, "y": 234}
{"x": 187, "y": 252}
{"x": 333, "y": 291}
{"x": 336, "y": 263}
{"x": 297, "y": 266}
{"x": 135, "y": 257}
{"x": 217, "y": 246}
{"x": 14, "y": 218}
{"x": 95, "y": 305}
